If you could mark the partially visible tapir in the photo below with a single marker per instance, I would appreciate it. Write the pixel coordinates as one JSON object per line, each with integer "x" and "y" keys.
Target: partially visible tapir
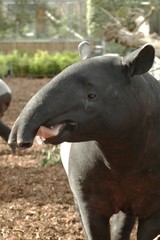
{"x": 108, "y": 110}
{"x": 5, "y": 99}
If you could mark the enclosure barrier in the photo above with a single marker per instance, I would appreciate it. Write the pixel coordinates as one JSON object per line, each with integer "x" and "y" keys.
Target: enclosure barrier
{"x": 33, "y": 46}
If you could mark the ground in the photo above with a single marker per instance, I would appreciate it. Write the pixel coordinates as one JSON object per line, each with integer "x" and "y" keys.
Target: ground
{"x": 35, "y": 201}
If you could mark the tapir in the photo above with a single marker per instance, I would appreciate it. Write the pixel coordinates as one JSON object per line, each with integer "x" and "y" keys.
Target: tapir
{"x": 5, "y": 100}
{"x": 105, "y": 111}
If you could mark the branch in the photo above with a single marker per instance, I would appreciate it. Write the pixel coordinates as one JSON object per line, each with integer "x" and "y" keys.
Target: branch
{"x": 130, "y": 39}
{"x": 152, "y": 9}
{"x": 110, "y": 15}
{"x": 55, "y": 20}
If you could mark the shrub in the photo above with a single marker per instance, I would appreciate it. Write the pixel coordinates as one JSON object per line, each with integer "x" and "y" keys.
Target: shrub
{"x": 40, "y": 64}
{"x": 23, "y": 67}
{"x": 13, "y": 61}
{"x": 4, "y": 68}
{"x": 66, "y": 59}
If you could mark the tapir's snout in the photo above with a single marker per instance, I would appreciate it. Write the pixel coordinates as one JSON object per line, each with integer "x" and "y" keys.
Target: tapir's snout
{"x": 15, "y": 141}
{"x": 53, "y": 134}
{"x": 47, "y": 115}
{"x": 43, "y": 119}
{"x": 25, "y": 145}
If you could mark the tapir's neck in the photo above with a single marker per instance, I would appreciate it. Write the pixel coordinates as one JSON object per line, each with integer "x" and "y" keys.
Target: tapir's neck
{"x": 137, "y": 143}
{"x": 131, "y": 151}
{"x": 122, "y": 154}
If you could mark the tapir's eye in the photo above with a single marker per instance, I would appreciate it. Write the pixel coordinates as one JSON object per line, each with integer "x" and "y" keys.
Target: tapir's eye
{"x": 92, "y": 96}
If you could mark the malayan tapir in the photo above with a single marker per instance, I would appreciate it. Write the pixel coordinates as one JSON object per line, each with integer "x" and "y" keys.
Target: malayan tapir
{"x": 5, "y": 99}
{"x": 107, "y": 110}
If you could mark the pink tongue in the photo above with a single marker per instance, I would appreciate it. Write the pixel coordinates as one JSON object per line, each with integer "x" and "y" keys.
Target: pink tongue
{"x": 45, "y": 133}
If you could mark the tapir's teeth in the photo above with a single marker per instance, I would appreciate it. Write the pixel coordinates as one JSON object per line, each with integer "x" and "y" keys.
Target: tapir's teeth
{"x": 44, "y": 132}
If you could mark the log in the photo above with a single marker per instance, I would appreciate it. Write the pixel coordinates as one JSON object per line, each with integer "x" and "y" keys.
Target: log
{"x": 122, "y": 35}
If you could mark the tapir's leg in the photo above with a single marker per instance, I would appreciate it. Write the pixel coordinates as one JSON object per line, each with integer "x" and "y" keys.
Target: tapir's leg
{"x": 121, "y": 226}
{"x": 96, "y": 226}
{"x": 4, "y": 131}
{"x": 149, "y": 228}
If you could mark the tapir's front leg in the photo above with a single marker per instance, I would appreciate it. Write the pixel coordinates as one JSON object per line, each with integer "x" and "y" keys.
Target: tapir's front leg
{"x": 149, "y": 229}
{"x": 121, "y": 226}
{"x": 96, "y": 226}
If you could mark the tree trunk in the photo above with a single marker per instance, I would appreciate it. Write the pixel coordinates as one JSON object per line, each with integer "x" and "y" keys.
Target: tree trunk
{"x": 129, "y": 39}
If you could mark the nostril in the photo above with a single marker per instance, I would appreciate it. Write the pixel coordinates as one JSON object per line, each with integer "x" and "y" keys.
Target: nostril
{"x": 25, "y": 145}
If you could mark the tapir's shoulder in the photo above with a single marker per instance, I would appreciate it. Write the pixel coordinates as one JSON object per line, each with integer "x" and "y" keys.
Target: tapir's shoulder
{"x": 82, "y": 155}
{"x": 71, "y": 150}
{"x": 84, "y": 149}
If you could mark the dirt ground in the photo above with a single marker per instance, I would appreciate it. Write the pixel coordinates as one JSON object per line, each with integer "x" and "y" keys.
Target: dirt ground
{"x": 35, "y": 201}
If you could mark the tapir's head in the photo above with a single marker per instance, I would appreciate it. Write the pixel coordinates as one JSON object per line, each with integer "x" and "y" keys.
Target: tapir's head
{"x": 85, "y": 101}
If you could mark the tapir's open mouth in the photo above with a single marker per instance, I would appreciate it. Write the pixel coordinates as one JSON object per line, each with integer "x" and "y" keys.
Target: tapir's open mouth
{"x": 57, "y": 133}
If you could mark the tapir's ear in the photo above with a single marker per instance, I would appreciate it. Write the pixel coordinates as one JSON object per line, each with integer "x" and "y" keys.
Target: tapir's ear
{"x": 140, "y": 61}
{"x": 85, "y": 50}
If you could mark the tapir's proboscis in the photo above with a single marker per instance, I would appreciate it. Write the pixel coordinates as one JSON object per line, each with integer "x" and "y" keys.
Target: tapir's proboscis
{"x": 107, "y": 111}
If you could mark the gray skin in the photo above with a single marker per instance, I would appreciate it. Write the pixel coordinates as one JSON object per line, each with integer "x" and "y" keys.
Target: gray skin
{"x": 110, "y": 110}
{"x": 5, "y": 99}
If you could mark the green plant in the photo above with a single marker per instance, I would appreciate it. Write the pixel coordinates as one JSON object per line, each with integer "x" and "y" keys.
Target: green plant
{"x": 40, "y": 64}
{"x": 18, "y": 62}
{"x": 23, "y": 68}
{"x": 4, "y": 68}
{"x": 51, "y": 156}
{"x": 13, "y": 59}
{"x": 65, "y": 59}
